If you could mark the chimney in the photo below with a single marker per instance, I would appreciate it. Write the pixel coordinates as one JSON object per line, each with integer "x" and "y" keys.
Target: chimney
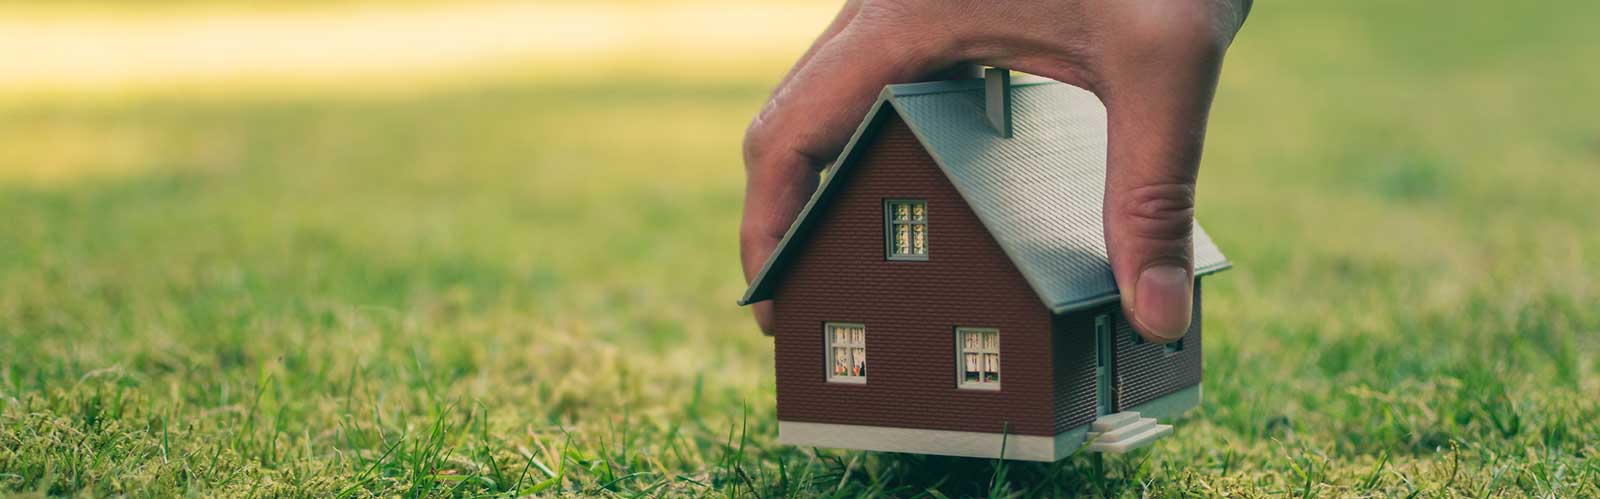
{"x": 997, "y": 99}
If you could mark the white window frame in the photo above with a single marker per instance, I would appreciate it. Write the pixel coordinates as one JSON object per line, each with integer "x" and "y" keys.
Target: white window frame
{"x": 961, "y": 358}
{"x": 828, "y": 346}
{"x": 889, "y": 224}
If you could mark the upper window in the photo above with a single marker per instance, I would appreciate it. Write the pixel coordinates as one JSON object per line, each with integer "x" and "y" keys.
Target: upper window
{"x": 847, "y": 352}
{"x": 1174, "y": 347}
{"x": 978, "y": 354}
{"x": 906, "y": 229}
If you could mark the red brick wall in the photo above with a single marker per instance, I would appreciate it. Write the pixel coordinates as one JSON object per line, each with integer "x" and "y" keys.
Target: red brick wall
{"x": 1146, "y": 371}
{"x": 910, "y": 309}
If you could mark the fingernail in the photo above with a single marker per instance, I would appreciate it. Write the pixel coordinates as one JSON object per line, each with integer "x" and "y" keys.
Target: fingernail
{"x": 1166, "y": 295}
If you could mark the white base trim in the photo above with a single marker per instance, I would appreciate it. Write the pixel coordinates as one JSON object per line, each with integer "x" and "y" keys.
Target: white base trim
{"x": 966, "y": 443}
{"x": 939, "y": 442}
{"x": 1168, "y": 407}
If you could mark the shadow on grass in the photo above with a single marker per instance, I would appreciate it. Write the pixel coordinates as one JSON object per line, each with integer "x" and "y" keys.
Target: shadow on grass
{"x": 914, "y": 475}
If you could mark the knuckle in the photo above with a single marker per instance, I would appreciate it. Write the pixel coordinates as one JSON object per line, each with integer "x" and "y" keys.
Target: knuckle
{"x": 759, "y": 230}
{"x": 912, "y": 33}
{"x": 1186, "y": 32}
{"x": 889, "y": 12}
{"x": 769, "y": 148}
{"x": 756, "y": 141}
{"x": 1159, "y": 211}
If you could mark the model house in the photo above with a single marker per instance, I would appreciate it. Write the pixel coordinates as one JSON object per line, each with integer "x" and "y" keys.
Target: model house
{"x": 957, "y": 243}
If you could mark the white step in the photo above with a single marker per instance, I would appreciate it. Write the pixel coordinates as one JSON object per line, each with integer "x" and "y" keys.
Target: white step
{"x": 1125, "y": 431}
{"x": 1142, "y": 439}
{"x": 1113, "y": 421}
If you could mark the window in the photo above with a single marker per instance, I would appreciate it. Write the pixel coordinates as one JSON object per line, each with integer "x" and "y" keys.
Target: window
{"x": 978, "y": 357}
{"x": 847, "y": 352}
{"x": 906, "y": 229}
{"x": 1174, "y": 347}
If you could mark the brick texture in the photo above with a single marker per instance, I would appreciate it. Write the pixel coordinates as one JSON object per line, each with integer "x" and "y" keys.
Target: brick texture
{"x": 910, "y": 309}
{"x": 1146, "y": 371}
{"x": 1075, "y": 382}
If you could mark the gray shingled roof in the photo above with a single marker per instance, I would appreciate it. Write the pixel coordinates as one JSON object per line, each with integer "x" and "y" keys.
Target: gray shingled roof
{"x": 1039, "y": 193}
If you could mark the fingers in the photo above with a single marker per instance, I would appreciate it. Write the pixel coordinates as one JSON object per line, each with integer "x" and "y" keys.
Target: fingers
{"x": 774, "y": 194}
{"x": 1157, "y": 96}
{"x": 783, "y": 186}
{"x": 804, "y": 126}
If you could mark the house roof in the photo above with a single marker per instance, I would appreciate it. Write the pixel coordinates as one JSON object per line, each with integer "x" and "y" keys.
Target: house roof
{"x": 1038, "y": 193}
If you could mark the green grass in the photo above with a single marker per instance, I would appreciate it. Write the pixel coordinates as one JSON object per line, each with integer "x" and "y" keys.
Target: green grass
{"x": 525, "y": 286}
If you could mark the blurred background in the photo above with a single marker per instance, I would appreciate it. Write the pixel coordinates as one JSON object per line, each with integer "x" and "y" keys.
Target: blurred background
{"x": 466, "y": 249}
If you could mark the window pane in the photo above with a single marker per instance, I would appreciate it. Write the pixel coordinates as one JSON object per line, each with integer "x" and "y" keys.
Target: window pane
{"x": 907, "y": 232}
{"x": 979, "y": 358}
{"x": 846, "y": 350}
{"x": 919, "y": 239}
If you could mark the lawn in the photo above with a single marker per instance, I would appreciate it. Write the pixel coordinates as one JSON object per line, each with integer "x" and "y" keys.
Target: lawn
{"x": 524, "y": 285}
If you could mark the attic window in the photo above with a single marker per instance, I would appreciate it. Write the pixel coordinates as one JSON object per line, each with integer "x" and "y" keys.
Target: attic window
{"x": 906, "y": 229}
{"x": 978, "y": 357}
{"x": 847, "y": 352}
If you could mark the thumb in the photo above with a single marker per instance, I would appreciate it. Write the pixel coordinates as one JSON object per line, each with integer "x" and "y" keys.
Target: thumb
{"x": 1156, "y": 105}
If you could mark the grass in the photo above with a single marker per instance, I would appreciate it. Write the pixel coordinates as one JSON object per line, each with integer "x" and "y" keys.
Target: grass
{"x": 524, "y": 286}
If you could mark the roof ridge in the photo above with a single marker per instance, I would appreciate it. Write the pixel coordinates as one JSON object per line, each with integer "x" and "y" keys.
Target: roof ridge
{"x": 946, "y": 86}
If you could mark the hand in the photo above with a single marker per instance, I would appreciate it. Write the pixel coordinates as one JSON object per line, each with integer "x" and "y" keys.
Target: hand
{"x": 1154, "y": 63}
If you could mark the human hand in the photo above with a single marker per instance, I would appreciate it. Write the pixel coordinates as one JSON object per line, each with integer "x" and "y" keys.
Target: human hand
{"x": 1153, "y": 63}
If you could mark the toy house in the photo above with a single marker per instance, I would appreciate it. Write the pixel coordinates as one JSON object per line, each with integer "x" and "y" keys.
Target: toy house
{"x": 958, "y": 240}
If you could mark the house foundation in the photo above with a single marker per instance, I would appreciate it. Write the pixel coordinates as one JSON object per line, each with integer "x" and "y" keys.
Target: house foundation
{"x": 969, "y": 444}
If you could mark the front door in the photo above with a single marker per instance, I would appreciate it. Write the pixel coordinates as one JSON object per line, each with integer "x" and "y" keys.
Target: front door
{"x": 1102, "y": 372}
